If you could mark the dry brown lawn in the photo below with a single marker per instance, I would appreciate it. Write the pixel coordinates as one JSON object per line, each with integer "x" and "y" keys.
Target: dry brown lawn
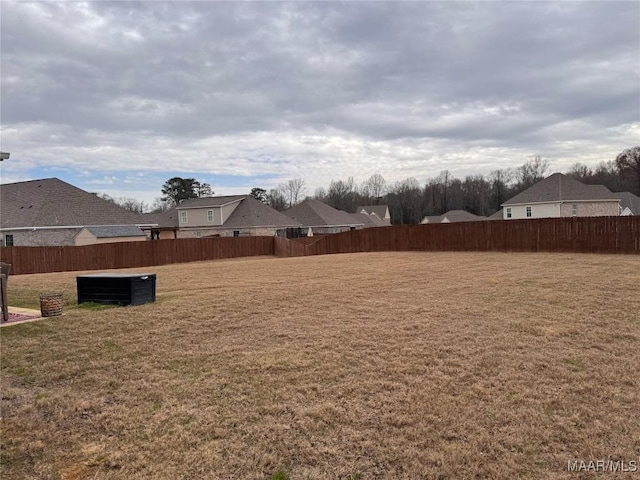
{"x": 400, "y": 365}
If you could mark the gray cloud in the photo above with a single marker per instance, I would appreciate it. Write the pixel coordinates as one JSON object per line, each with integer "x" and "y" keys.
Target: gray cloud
{"x": 397, "y": 87}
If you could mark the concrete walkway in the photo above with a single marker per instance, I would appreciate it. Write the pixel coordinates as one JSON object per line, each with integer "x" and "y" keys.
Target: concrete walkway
{"x": 32, "y": 314}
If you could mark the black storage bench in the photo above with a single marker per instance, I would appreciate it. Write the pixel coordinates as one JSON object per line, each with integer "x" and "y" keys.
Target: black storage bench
{"x": 117, "y": 288}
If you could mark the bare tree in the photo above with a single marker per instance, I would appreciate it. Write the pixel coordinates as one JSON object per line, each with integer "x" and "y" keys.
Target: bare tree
{"x": 405, "y": 201}
{"x": 160, "y": 205}
{"x": 499, "y": 181}
{"x": 445, "y": 181}
{"x": 531, "y": 172}
{"x": 628, "y": 165}
{"x": 342, "y": 195}
{"x": 375, "y": 186}
{"x": 580, "y": 172}
{"x": 320, "y": 194}
{"x": 476, "y": 191}
{"x": 293, "y": 190}
{"x": 128, "y": 203}
{"x": 276, "y": 199}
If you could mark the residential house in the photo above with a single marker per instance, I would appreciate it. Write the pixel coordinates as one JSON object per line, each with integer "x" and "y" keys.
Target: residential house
{"x": 380, "y": 211}
{"x": 162, "y": 225}
{"x": 453, "y": 216}
{"x": 224, "y": 216}
{"x": 370, "y": 220}
{"x": 322, "y": 218}
{"x": 629, "y": 203}
{"x": 561, "y": 196}
{"x": 52, "y": 212}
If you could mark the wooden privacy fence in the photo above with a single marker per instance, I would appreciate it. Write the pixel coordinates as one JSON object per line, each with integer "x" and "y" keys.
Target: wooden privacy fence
{"x": 132, "y": 254}
{"x": 579, "y": 235}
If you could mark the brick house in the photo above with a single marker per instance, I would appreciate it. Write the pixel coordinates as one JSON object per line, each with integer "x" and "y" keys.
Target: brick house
{"x": 224, "y": 216}
{"x": 52, "y": 212}
{"x": 561, "y": 196}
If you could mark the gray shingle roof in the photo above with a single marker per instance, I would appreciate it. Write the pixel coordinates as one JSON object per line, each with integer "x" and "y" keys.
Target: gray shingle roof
{"x": 379, "y": 210}
{"x": 629, "y": 200}
{"x": 453, "y": 216}
{"x": 558, "y": 187}
{"x": 462, "y": 216}
{"x": 370, "y": 220}
{"x": 254, "y": 213}
{"x": 314, "y": 213}
{"x": 52, "y": 202}
{"x": 168, "y": 219}
{"x": 499, "y": 215}
{"x": 113, "y": 231}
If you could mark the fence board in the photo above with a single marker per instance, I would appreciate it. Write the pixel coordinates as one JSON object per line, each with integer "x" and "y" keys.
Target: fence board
{"x": 579, "y": 235}
{"x": 26, "y": 260}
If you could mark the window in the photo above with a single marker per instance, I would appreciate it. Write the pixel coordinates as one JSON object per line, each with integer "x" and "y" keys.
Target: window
{"x": 528, "y": 211}
{"x": 198, "y": 234}
{"x": 508, "y": 212}
{"x": 209, "y": 215}
{"x": 184, "y": 217}
{"x": 574, "y": 210}
{"x": 236, "y": 233}
{"x": 8, "y": 240}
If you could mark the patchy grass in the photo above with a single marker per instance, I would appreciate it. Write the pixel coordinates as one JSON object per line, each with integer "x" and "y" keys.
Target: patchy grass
{"x": 399, "y": 365}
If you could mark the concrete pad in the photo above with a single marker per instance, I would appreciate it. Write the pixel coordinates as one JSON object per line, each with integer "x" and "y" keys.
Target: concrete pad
{"x": 34, "y": 314}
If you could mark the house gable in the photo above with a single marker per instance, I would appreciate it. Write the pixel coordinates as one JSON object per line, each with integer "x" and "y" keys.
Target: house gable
{"x": 207, "y": 212}
{"x": 382, "y": 211}
{"x": 453, "y": 216}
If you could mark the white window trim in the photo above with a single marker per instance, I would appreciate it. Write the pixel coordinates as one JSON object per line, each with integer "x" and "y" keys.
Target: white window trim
{"x": 509, "y": 215}
{"x": 528, "y": 211}
{"x": 184, "y": 217}
{"x": 210, "y": 216}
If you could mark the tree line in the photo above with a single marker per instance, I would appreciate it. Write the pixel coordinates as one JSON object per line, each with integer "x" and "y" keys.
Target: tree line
{"x": 408, "y": 200}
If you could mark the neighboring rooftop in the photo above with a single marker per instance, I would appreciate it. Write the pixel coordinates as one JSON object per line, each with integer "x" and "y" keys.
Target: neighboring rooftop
{"x": 630, "y": 201}
{"x": 254, "y": 213}
{"x": 168, "y": 219}
{"x": 51, "y": 202}
{"x": 114, "y": 231}
{"x": 314, "y": 213}
{"x": 380, "y": 210}
{"x": 370, "y": 220}
{"x": 499, "y": 215}
{"x": 559, "y": 187}
{"x": 453, "y": 216}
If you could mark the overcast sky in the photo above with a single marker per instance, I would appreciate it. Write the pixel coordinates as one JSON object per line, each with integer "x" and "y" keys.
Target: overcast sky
{"x": 118, "y": 97}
